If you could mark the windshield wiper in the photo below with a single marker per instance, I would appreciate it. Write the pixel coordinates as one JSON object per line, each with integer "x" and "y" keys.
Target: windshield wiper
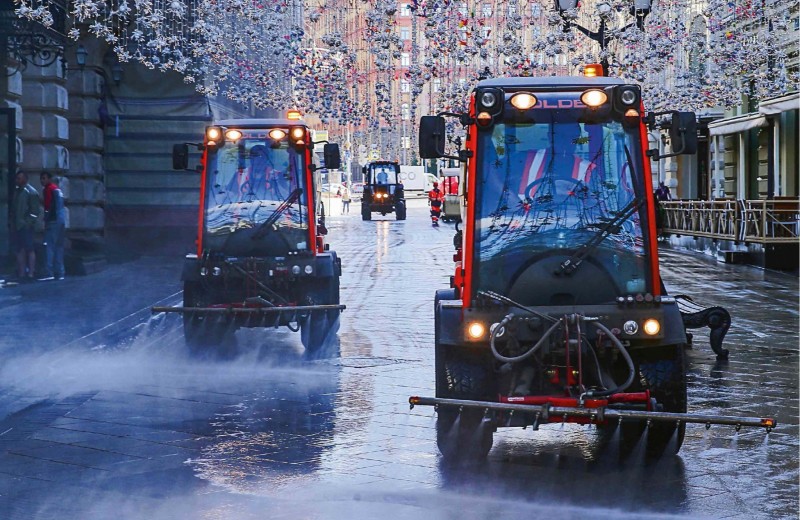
{"x": 612, "y": 227}
{"x": 266, "y": 226}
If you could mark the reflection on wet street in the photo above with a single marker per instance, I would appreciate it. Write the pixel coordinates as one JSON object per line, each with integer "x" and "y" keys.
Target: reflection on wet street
{"x": 123, "y": 423}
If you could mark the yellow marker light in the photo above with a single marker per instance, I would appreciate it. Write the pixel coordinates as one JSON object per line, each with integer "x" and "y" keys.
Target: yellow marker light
{"x": 631, "y": 112}
{"x": 233, "y": 135}
{"x": 213, "y": 133}
{"x": 651, "y": 327}
{"x": 593, "y": 98}
{"x": 769, "y": 423}
{"x": 277, "y": 134}
{"x": 297, "y": 133}
{"x": 523, "y": 101}
{"x": 484, "y": 118}
{"x": 593, "y": 70}
{"x": 476, "y": 330}
{"x": 294, "y": 115}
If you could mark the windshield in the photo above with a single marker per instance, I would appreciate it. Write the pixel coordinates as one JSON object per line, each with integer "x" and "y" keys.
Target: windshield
{"x": 547, "y": 187}
{"x": 383, "y": 173}
{"x": 248, "y": 181}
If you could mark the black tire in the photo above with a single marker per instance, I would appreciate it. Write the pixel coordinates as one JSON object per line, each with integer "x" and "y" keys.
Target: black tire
{"x": 466, "y": 435}
{"x": 202, "y": 333}
{"x": 663, "y": 372}
{"x": 366, "y": 214}
{"x": 318, "y": 330}
{"x": 400, "y": 211}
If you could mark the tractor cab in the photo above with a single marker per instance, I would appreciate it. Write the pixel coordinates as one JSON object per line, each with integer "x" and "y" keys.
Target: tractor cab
{"x": 383, "y": 191}
{"x": 556, "y": 302}
{"x": 261, "y": 260}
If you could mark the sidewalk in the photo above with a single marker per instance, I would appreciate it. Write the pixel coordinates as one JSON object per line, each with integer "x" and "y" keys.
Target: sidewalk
{"x": 41, "y": 316}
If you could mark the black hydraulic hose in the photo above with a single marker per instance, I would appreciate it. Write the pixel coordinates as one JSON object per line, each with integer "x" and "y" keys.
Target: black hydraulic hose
{"x": 527, "y": 354}
{"x": 632, "y": 370}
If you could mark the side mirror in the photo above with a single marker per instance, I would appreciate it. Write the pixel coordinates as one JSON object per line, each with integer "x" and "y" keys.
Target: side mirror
{"x": 333, "y": 160}
{"x": 683, "y": 133}
{"x": 432, "y": 135}
{"x": 180, "y": 156}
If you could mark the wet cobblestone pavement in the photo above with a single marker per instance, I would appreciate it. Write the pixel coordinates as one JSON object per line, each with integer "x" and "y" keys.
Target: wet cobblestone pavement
{"x": 123, "y": 423}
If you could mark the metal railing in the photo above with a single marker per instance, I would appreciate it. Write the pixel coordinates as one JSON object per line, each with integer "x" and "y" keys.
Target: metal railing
{"x": 772, "y": 221}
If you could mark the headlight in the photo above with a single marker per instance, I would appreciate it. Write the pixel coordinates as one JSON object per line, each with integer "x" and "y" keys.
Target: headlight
{"x": 213, "y": 133}
{"x": 309, "y": 269}
{"x": 476, "y": 330}
{"x": 630, "y": 327}
{"x": 628, "y": 96}
{"x": 277, "y": 134}
{"x": 295, "y": 269}
{"x": 204, "y": 271}
{"x": 233, "y": 135}
{"x": 651, "y": 327}
{"x": 523, "y": 101}
{"x": 488, "y": 99}
{"x": 216, "y": 271}
{"x": 593, "y": 98}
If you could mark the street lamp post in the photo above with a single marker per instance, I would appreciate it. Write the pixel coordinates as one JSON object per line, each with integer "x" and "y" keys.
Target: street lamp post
{"x": 639, "y": 10}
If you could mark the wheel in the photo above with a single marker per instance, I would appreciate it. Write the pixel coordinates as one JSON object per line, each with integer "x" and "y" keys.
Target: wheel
{"x": 366, "y": 214}
{"x": 202, "y": 332}
{"x": 466, "y": 435}
{"x": 400, "y": 211}
{"x": 663, "y": 372}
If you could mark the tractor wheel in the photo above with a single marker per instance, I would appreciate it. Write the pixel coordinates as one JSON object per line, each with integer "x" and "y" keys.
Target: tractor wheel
{"x": 202, "y": 333}
{"x": 466, "y": 435}
{"x": 366, "y": 214}
{"x": 663, "y": 372}
{"x": 319, "y": 328}
{"x": 400, "y": 211}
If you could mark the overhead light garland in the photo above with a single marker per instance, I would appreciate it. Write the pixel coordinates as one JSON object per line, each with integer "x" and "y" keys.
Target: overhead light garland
{"x": 343, "y": 59}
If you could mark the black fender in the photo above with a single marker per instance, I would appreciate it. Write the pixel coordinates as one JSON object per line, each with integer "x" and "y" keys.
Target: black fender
{"x": 191, "y": 269}
{"x": 448, "y": 318}
{"x": 328, "y": 264}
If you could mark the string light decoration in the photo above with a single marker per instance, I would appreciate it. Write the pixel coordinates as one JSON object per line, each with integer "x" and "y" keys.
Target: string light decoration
{"x": 344, "y": 60}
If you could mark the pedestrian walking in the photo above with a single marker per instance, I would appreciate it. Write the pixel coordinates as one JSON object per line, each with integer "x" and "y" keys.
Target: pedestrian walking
{"x": 345, "y": 199}
{"x": 54, "y": 228}
{"x": 435, "y": 198}
{"x": 25, "y": 209}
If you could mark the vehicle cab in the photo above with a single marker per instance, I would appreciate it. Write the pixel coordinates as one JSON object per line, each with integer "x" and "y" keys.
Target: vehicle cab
{"x": 383, "y": 192}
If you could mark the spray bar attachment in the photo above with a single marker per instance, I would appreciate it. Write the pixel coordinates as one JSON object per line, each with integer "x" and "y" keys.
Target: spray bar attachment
{"x": 545, "y": 412}
{"x": 247, "y": 310}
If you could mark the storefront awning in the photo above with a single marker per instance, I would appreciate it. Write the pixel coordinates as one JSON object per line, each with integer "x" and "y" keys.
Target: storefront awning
{"x": 734, "y": 125}
{"x": 774, "y": 106}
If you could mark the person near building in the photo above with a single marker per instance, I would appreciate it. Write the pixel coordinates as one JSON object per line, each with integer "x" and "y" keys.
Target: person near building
{"x": 435, "y": 199}
{"x": 25, "y": 208}
{"x": 54, "y": 227}
{"x": 345, "y": 198}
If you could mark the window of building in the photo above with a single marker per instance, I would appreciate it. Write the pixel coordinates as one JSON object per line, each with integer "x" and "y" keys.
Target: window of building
{"x": 405, "y": 10}
{"x": 405, "y": 59}
{"x": 405, "y": 112}
{"x": 485, "y": 32}
{"x": 487, "y": 10}
{"x": 462, "y": 9}
{"x": 437, "y": 85}
{"x": 536, "y": 10}
{"x": 405, "y": 86}
{"x": 405, "y": 33}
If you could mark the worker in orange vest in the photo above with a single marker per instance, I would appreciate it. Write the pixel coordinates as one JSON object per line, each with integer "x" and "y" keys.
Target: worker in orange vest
{"x": 435, "y": 199}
